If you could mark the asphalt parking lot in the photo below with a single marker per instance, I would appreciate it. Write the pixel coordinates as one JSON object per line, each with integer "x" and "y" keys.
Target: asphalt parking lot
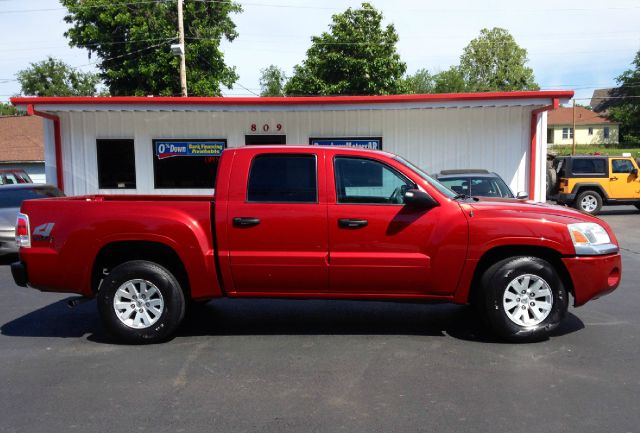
{"x": 326, "y": 366}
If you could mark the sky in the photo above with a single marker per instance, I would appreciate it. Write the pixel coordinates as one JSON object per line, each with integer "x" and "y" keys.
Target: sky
{"x": 576, "y": 45}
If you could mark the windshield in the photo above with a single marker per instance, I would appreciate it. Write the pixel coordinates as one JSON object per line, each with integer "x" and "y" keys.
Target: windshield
{"x": 478, "y": 186}
{"x": 11, "y": 197}
{"x": 437, "y": 185}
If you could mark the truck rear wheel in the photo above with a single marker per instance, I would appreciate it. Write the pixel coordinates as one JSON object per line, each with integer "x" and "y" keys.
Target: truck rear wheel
{"x": 524, "y": 298}
{"x": 588, "y": 201}
{"x": 141, "y": 302}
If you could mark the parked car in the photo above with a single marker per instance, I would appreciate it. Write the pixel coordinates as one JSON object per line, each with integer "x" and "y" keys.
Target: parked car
{"x": 11, "y": 197}
{"x": 477, "y": 183}
{"x": 12, "y": 176}
{"x": 316, "y": 222}
{"x": 588, "y": 182}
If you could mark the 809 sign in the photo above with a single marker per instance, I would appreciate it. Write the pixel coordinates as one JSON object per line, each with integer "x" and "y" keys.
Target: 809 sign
{"x": 265, "y": 127}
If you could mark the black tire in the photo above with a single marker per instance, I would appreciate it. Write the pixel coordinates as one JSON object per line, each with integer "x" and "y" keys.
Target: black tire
{"x": 171, "y": 296}
{"x": 496, "y": 281}
{"x": 590, "y": 196}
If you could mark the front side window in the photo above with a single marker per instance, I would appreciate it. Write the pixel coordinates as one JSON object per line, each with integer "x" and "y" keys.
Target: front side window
{"x": 186, "y": 163}
{"x": 621, "y": 166}
{"x": 283, "y": 178}
{"x": 116, "y": 164}
{"x": 364, "y": 181}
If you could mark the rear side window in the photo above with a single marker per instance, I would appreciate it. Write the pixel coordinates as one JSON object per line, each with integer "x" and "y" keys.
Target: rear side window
{"x": 283, "y": 178}
{"x": 14, "y": 197}
{"x": 589, "y": 166}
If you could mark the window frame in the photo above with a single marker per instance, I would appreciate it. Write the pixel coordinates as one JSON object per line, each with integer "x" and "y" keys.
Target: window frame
{"x": 384, "y": 164}
{"x": 135, "y": 167}
{"x": 280, "y": 154}
{"x": 569, "y": 134}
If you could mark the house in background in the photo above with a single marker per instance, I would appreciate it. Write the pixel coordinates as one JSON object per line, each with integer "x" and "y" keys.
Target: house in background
{"x": 22, "y": 145}
{"x": 591, "y": 128}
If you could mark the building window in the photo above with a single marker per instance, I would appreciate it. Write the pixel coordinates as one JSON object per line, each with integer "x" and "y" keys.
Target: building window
{"x": 116, "y": 164}
{"x": 186, "y": 163}
{"x": 606, "y": 132}
{"x": 590, "y": 132}
{"x": 283, "y": 178}
{"x": 549, "y": 135}
{"x": 567, "y": 133}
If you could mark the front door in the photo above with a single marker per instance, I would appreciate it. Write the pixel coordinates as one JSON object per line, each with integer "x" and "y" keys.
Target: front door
{"x": 378, "y": 246}
{"x": 623, "y": 184}
{"x": 277, "y": 229}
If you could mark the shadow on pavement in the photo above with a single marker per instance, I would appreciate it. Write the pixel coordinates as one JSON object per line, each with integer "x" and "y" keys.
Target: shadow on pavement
{"x": 281, "y": 317}
{"x": 7, "y": 259}
{"x": 618, "y": 212}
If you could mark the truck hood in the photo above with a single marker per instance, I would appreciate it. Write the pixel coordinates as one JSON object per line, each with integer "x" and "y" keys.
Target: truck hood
{"x": 495, "y": 207}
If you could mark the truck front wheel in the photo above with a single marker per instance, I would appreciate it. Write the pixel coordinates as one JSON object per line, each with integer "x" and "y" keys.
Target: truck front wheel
{"x": 141, "y": 302}
{"x": 524, "y": 298}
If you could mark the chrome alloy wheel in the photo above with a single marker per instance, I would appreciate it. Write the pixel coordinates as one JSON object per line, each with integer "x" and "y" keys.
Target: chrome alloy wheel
{"x": 527, "y": 301}
{"x": 138, "y": 303}
{"x": 588, "y": 203}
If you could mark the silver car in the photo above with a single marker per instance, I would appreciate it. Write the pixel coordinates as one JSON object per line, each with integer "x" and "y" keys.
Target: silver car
{"x": 11, "y": 197}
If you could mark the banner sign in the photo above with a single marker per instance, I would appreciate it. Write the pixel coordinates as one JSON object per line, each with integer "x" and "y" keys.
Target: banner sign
{"x": 169, "y": 149}
{"x": 365, "y": 143}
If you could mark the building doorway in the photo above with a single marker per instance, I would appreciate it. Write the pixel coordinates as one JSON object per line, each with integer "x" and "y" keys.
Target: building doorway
{"x": 264, "y": 139}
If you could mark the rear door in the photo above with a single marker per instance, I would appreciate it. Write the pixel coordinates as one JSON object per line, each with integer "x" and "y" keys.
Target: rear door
{"x": 277, "y": 223}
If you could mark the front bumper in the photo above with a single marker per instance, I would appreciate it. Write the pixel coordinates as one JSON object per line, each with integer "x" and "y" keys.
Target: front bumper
{"x": 593, "y": 276}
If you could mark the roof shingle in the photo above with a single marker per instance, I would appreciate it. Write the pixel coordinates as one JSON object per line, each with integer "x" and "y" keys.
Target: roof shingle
{"x": 21, "y": 139}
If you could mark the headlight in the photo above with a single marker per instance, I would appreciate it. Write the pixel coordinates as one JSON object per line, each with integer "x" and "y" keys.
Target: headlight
{"x": 591, "y": 239}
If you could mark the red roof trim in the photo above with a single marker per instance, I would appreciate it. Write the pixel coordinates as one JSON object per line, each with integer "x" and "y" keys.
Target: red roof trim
{"x": 293, "y": 100}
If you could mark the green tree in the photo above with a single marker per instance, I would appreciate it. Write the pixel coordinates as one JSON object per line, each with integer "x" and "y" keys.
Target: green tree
{"x": 449, "y": 81}
{"x": 495, "y": 62}
{"x": 421, "y": 82}
{"x": 6, "y": 109}
{"x": 356, "y": 57}
{"x": 53, "y": 77}
{"x": 626, "y": 110}
{"x": 132, "y": 42}
{"x": 272, "y": 81}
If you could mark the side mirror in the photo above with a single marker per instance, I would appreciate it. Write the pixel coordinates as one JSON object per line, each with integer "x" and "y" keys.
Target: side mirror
{"x": 634, "y": 171}
{"x": 419, "y": 199}
{"x": 522, "y": 195}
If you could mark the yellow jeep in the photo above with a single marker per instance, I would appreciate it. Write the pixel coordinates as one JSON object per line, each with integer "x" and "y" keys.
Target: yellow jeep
{"x": 588, "y": 182}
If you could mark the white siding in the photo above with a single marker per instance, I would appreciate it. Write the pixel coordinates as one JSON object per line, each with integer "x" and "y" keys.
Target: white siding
{"x": 495, "y": 138}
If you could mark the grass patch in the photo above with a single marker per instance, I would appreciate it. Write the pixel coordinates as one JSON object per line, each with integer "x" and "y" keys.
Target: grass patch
{"x": 590, "y": 150}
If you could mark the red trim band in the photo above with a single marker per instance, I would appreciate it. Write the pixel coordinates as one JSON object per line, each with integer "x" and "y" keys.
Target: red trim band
{"x": 57, "y": 137}
{"x": 293, "y": 100}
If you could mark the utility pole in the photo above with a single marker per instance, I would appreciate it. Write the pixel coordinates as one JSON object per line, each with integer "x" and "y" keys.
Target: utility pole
{"x": 573, "y": 147}
{"x": 183, "y": 63}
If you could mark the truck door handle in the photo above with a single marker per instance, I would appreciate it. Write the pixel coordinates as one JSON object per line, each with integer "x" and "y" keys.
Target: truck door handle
{"x": 245, "y": 221}
{"x": 613, "y": 178}
{"x": 347, "y": 223}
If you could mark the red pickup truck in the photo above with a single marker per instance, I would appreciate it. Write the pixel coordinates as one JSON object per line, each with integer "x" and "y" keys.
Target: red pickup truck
{"x": 316, "y": 222}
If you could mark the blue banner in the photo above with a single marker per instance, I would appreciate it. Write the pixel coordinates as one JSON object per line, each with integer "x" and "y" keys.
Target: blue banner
{"x": 169, "y": 149}
{"x": 365, "y": 143}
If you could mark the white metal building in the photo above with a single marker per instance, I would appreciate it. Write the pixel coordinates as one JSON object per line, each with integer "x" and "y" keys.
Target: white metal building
{"x": 122, "y": 145}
